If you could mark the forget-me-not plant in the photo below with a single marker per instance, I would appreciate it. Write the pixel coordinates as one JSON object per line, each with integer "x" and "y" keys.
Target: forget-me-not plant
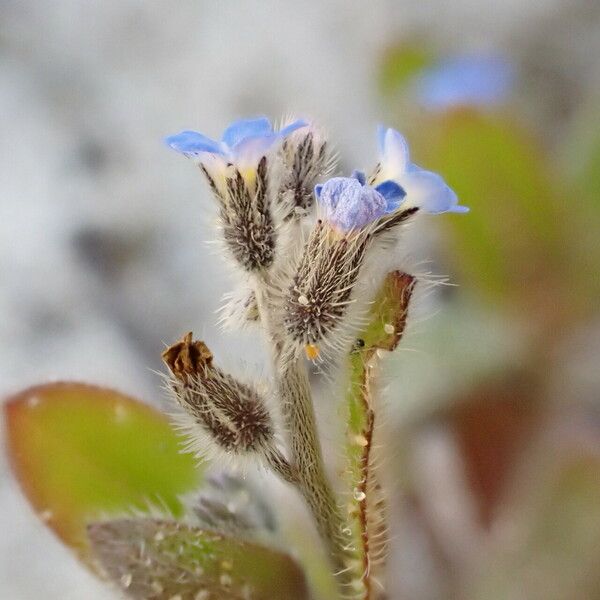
{"x": 308, "y": 278}
{"x": 316, "y": 278}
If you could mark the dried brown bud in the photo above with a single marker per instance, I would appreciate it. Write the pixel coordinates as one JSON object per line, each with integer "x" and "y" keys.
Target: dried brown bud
{"x": 187, "y": 358}
{"x": 232, "y": 413}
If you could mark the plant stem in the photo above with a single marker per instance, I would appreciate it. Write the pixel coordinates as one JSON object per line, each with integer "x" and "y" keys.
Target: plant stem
{"x": 386, "y": 326}
{"x": 306, "y": 455}
{"x": 293, "y": 389}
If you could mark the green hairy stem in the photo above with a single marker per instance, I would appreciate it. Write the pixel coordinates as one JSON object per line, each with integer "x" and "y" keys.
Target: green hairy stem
{"x": 356, "y": 543}
{"x": 307, "y": 458}
{"x": 367, "y": 505}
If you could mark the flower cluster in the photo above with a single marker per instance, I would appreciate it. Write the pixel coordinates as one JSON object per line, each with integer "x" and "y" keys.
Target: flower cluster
{"x": 350, "y": 203}
{"x": 312, "y": 255}
{"x": 263, "y": 179}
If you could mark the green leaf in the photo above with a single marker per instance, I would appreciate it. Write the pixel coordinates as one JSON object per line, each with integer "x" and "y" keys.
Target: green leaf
{"x": 386, "y": 324}
{"x": 80, "y": 452}
{"x": 400, "y": 64}
{"x": 584, "y": 224}
{"x": 511, "y": 244}
{"x": 581, "y": 146}
{"x": 152, "y": 558}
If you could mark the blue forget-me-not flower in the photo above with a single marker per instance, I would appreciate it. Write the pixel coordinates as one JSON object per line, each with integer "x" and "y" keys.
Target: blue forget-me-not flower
{"x": 237, "y": 168}
{"x": 350, "y": 203}
{"x": 423, "y": 189}
{"x": 243, "y": 143}
{"x": 475, "y": 80}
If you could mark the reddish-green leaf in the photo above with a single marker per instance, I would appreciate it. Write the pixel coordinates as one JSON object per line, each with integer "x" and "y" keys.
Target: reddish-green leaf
{"x": 81, "y": 452}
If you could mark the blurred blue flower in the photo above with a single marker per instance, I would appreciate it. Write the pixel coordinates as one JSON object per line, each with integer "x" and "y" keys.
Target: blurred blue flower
{"x": 474, "y": 80}
{"x": 424, "y": 189}
{"x": 244, "y": 142}
{"x": 349, "y": 203}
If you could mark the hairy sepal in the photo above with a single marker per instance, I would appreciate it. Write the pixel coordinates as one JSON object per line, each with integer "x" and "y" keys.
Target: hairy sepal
{"x": 307, "y": 159}
{"x": 221, "y": 417}
{"x": 335, "y": 280}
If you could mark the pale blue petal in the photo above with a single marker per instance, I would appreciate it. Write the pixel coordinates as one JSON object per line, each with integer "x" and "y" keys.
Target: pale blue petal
{"x": 240, "y": 130}
{"x": 466, "y": 81}
{"x": 355, "y": 213}
{"x": 250, "y": 150}
{"x": 292, "y": 127}
{"x": 318, "y": 189}
{"x": 335, "y": 188}
{"x": 348, "y": 205}
{"x": 359, "y": 176}
{"x": 381, "y": 138}
{"x": 395, "y": 156}
{"x": 429, "y": 192}
{"x": 393, "y": 194}
{"x": 192, "y": 143}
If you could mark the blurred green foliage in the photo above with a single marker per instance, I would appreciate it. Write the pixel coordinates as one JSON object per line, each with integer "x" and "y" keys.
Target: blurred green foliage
{"x": 512, "y": 234}
{"x": 558, "y": 531}
{"x": 80, "y": 452}
{"x": 400, "y": 64}
{"x": 528, "y": 256}
{"x": 530, "y": 237}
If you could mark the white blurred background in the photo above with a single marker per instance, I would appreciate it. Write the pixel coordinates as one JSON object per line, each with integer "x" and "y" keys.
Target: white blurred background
{"x": 102, "y": 229}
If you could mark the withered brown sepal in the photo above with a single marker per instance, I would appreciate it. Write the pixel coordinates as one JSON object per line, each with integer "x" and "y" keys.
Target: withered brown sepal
{"x": 187, "y": 357}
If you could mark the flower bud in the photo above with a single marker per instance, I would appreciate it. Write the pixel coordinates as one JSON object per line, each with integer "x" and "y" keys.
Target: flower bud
{"x": 307, "y": 160}
{"x": 230, "y": 413}
{"x": 245, "y": 218}
{"x": 238, "y": 171}
{"x": 317, "y": 300}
